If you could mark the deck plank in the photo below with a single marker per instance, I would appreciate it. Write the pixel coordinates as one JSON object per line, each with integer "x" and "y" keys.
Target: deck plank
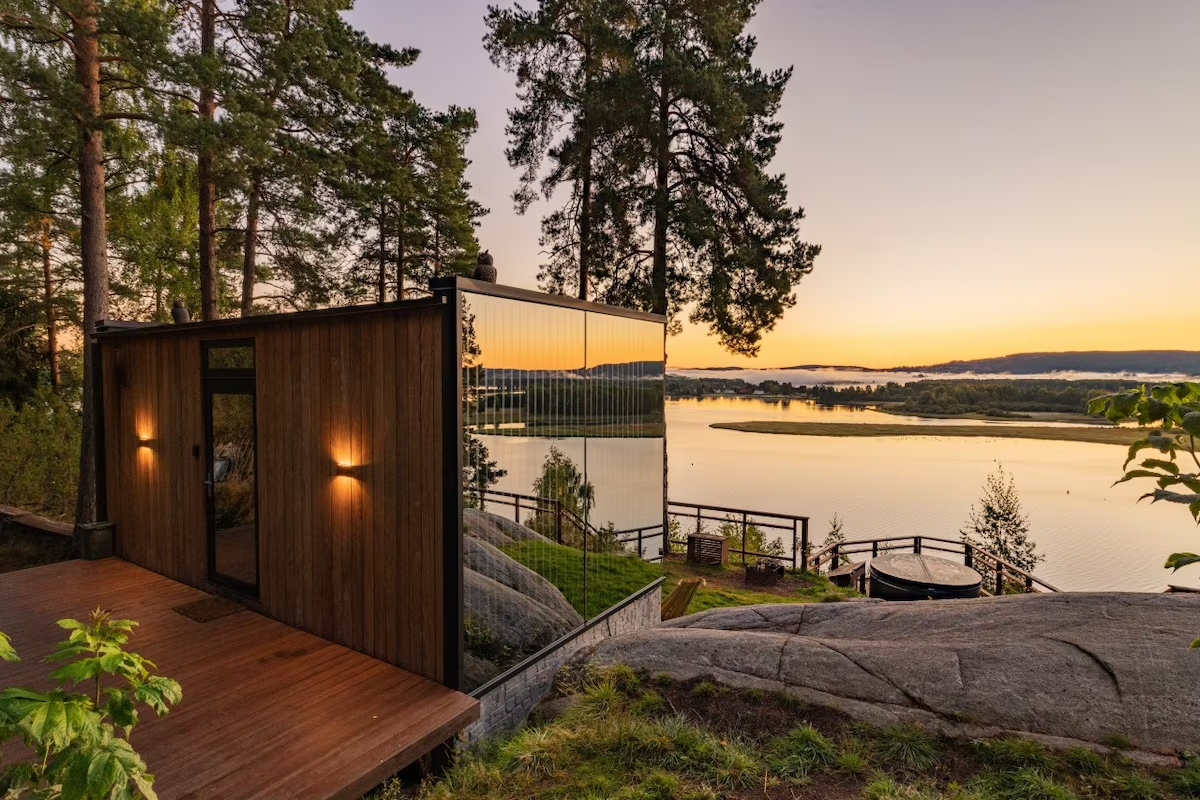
{"x": 268, "y": 711}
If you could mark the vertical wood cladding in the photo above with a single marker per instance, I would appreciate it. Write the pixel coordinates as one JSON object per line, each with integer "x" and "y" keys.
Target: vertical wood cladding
{"x": 355, "y": 558}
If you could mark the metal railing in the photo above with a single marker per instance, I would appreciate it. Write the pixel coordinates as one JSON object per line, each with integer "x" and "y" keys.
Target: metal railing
{"x": 693, "y": 516}
{"x": 998, "y": 574}
{"x": 564, "y": 516}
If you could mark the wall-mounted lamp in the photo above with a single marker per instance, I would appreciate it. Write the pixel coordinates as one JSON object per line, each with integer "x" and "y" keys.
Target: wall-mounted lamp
{"x": 350, "y": 470}
{"x": 145, "y": 441}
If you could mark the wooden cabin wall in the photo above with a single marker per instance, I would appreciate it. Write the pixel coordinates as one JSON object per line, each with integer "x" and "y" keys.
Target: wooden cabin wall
{"x": 352, "y": 558}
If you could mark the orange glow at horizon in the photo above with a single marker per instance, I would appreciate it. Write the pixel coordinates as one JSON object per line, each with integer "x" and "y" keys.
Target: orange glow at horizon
{"x": 795, "y": 343}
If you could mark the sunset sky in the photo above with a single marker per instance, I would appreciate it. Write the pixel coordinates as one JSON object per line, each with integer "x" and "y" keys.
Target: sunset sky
{"x": 984, "y": 177}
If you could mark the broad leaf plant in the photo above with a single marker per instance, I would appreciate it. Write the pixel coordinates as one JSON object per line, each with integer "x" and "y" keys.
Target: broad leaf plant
{"x": 1172, "y": 412}
{"x": 78, "y": 733}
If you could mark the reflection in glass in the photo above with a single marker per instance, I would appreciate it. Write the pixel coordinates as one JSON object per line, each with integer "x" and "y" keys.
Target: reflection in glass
{"x": 563, "y": 479}
{"x": 229, "y": 357}
{"x": 233, "y": 488}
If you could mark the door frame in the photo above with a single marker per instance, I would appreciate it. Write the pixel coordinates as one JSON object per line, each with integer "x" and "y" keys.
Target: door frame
{"x": 227, "y": 381}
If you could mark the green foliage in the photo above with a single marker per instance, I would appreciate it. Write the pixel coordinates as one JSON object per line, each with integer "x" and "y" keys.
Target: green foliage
{"x": 1187, "y": 781}
{"x": 39, "y": 462}
{"x": 1015, "y": 752}
{"x": 800, "y": 752}
{"x": 998, "y": 525}
{"x": 906, "y": 745}
{"x": 705, "y": 689}
{"x": 1172, "y": 412}
{"x": 80, "y": 741}
{"x": 1023, "y": 784}
{"x": 1132, "y": 786}
{"x": 663, "y": 130}
{"x": 1085, "y": 762}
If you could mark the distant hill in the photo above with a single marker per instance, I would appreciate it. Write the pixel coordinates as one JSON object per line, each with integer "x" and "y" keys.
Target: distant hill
{"x": 1138, "y": 361}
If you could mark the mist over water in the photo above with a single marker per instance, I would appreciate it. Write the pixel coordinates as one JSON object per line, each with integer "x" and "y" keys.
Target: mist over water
{"x": 835, "y": 376}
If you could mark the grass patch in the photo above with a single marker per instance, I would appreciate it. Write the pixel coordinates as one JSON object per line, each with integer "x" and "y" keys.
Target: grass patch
{"x": 610, "y": 577}
{"x": 622, "y": 741}
{"x": 801, "y": 752}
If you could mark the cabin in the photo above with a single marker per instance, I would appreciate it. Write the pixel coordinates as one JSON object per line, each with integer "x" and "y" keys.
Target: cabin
{"x": 414, "y": 482}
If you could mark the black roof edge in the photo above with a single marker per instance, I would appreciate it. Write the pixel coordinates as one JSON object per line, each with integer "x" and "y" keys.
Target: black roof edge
{"x": 530, "y": 296}
{"x": 111, "y": 329}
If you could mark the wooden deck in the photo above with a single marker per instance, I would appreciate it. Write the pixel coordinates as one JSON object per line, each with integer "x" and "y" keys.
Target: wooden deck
{"x": 268, "y": 711}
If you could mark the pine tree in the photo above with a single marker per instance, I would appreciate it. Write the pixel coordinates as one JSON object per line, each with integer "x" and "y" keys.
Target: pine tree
{"x": 998, "y": 525}
{"x": 91, "y": 65}
{"x": 566, "y": 56}
{"x": 666, "y": 142}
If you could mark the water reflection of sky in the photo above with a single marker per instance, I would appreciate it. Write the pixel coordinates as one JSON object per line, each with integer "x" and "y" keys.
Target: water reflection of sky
{"x": 1095, "y": 536}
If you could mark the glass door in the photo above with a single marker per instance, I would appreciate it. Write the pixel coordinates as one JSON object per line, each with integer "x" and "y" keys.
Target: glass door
{"x": 232, "y": 477}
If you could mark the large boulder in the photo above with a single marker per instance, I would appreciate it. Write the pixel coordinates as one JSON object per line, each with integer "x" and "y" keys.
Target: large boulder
{"x": 483, "y": 558}
{"x": 511, "y": 611}
{"x": 495, "y": 529}
{"x": 1065, "y": 668}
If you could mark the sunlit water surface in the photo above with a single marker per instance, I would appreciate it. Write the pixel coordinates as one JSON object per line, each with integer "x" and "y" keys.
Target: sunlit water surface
{"x": 1094, "y": 536}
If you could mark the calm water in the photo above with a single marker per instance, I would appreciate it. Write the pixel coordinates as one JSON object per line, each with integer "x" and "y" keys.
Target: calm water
{"x": 1093, "y": 536}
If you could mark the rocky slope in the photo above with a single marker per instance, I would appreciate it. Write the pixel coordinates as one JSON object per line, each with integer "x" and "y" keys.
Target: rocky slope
{"x": 1066, "y": 668}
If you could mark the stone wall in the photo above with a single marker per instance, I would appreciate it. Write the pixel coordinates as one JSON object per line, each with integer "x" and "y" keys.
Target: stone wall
{"x": 505, "y": 705}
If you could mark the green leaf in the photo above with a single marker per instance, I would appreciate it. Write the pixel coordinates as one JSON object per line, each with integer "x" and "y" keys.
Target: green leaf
{"x": 85, "y": 669}
{"x": 1177, "y": 560}
{"x": 1134, "y": 449}
{"x": 1191, "y": 422}
{"x": 1137, "y": 473}
{"x": 1195, "y": 645}
{"x": 7, "y": 653}
{"x": 1158, "y": 463}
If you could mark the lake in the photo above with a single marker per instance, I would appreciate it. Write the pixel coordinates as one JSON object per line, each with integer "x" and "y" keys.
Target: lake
{"x": 1094, "y": 536}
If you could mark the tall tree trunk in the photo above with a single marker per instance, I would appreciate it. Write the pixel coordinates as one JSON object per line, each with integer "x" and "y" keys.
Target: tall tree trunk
{"x": 662, "y": 200}
{"x": 400, "y": 254}
{"x": 383, "y": 257}
{"x": 48, "y": 294}
{"x": 585, "y": 203}
{"x": 585, "y": 224}
{"x": 204, "y": 163}
{"x": 93, "y": 235}
{"x": 250, "y": 248}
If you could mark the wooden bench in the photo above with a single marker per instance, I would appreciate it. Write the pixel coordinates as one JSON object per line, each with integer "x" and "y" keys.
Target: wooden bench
{"x": 848, "y": 575}
{"x": 676, "y": 603}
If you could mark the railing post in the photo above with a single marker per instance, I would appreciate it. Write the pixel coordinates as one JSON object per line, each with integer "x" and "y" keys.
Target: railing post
{"x": 805, "y": 556}
{"x": 558, "y": 533}
{"x": 916, "y": 544}
{"x": 874, "y": 548}
{"x": 999, "y": 578}
{"x": 517, "y": 509}
{"x": 697, "y": 520}
{"x": 1028, "y": 584}
{"x": 835, "y": 560}
{"x": 639, "y": 542}
{"x": 968, "y": 555}
{"x": 745, "y": 559}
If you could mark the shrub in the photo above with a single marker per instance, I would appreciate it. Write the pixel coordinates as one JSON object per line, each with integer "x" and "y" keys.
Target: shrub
{"x": 1023, "y": 784}
{"x": 1187, "y": 780}
{"x": 1133, "y": 786}
{"x": 1013, "y": 752}
{"x": 649, "y": 704}
{"x": 705, "y": 689}
{"x": 39, "y": 462}
{"x": 907, "y": 745}
{"x": 80, "y": 741}
{"x": 802, "y": 751}
{"x": 1085, "y": 762}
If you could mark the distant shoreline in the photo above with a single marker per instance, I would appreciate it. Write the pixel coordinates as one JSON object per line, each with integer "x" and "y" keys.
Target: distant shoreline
{"x": 1091, "y": 435}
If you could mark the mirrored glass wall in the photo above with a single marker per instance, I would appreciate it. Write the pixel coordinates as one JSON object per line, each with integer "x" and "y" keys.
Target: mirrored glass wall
{"x": 564, "y": 471}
